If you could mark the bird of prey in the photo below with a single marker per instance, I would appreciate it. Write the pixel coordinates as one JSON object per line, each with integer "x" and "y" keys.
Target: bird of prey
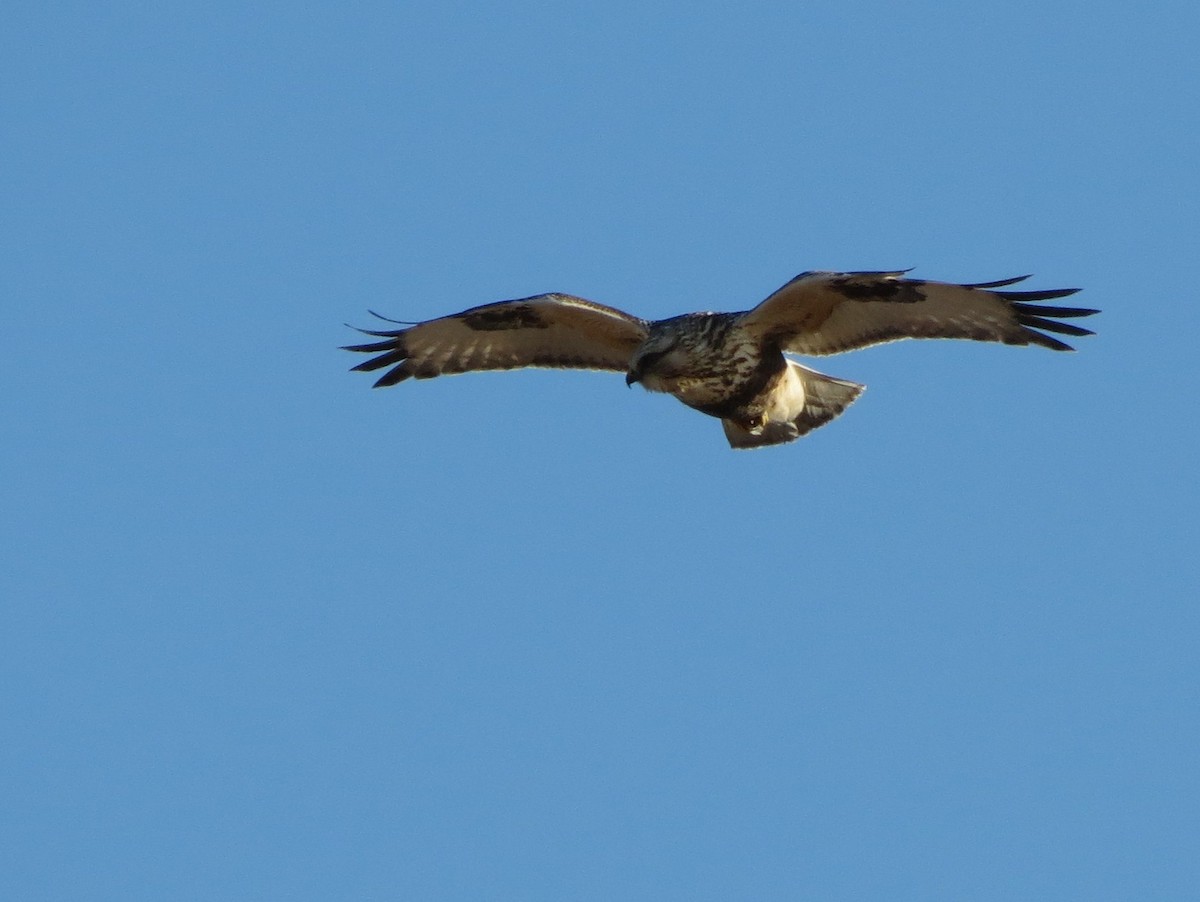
{"x": 728, "y": 365}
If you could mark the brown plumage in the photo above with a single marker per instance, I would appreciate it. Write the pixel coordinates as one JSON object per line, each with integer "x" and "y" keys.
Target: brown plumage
{"x": 728, "y": 365}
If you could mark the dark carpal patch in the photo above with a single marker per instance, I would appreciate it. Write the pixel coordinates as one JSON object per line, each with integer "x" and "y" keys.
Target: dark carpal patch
{"x": 907, "y": 291}
{"x": 501, "y": 318}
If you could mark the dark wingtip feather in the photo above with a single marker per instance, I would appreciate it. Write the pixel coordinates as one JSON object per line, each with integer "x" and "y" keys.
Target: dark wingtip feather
{"x": 999, "y": 283}
{"x": 1058, "y": 312}
{"x": 1046, "y": 341}
{"x": 377, "y": 363}
{"x": 391, "y": 377}
{"x": 1019, "y": 296}
{"x": 1050, "y": 325}
{"x": 1037, "y": 316}
{"x": 390, "y": 333}
{"x": 384, "y": 333}
{"x": 370, "y": 348}
{"x": 394, "y": 355}
{"x": 388, "y": 319}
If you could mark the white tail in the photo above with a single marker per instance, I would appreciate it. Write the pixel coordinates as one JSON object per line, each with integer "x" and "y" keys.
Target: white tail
{"x": 805, "y": 400}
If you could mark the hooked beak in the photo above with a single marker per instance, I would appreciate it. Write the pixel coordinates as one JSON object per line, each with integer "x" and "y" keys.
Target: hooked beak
{"x": 631, "y": 377}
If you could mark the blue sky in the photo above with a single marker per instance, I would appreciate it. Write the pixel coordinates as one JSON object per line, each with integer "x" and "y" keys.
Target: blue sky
{"x": 269, "y": 634}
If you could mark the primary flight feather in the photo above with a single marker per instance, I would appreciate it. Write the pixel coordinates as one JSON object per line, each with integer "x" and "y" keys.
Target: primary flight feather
{"x": 729, "y": 365}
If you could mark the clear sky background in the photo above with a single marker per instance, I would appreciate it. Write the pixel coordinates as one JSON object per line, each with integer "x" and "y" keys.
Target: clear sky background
{"x": 268, "y": 634}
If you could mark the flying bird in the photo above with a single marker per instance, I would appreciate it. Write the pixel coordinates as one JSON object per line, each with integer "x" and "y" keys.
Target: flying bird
{"x": 728, "y": 365}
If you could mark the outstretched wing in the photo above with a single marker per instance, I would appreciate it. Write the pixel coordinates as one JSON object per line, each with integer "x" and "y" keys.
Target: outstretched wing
{"x": 827, "y": 312}
{"x": 548, "y": 330}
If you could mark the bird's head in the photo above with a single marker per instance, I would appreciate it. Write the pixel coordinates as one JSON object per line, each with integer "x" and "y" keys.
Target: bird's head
{"x": 660, "y": 356}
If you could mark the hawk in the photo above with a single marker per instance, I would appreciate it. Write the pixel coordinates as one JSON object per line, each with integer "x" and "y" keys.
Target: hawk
{"x": 728, "y": 365}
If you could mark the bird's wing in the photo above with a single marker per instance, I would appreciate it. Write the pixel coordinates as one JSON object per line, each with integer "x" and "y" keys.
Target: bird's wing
{"x": 546, "y": 330}
{"x": 827, "y": 312}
